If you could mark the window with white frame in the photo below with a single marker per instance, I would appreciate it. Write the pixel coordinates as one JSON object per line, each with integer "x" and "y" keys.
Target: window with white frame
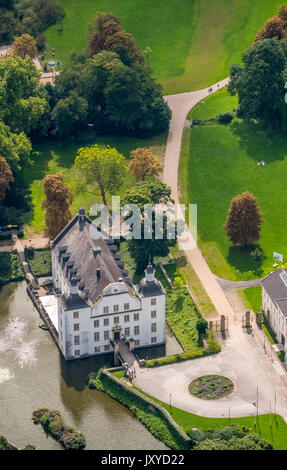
{"x": 127, "y": 332}
{"x": 136, "y": 317}
{"x": 76, "y": 326}
{"x": 96, "y": 323}
{"x": 153, "y": 339}
{"x": 97, "y": 349}
{"x": 116, "y": 308}
{"x": 153, "y": 327}
{"x": 106, "y": 334}
{"x": 75, "y": 315}
{"x": 76, "y": 340}
{"x": 116, "y": 320}
{"x": 97, "y": 336}
{"x": 137, "y": 342}
{"x": 77, "y": 352}
{"x": 106, "y": 321}
{"x": 153, "y": 301}
{"x": 153, "y": 314}
{"x": 136, "y": 330}
{"x": 126, "y": 306}
{"x": 106, "y": 309}
{"x": 107, "y": 347}
{"x": 126, "y": 318}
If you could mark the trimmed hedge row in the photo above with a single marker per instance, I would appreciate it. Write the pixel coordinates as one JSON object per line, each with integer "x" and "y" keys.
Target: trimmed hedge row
{"x": 156, "y": 418}
{"x": 213, "y": 348}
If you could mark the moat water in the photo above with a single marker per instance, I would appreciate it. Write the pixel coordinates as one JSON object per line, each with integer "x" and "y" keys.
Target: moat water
{"x": 33, "y": 375}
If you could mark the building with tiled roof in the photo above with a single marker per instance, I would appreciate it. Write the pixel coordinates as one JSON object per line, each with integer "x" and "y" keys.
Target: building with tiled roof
{"x": 97, "y": 301}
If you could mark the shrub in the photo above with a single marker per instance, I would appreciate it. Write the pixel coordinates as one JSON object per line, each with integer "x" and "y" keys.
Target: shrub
{"x": 54, "y": 425}
{"x": 225, "y": 118}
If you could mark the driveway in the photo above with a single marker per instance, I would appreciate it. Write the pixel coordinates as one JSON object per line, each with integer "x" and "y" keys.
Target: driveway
{"x": 243, "y": 360}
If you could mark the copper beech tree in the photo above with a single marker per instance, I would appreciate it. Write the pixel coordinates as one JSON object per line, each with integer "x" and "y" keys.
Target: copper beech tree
{"x": 57, "y": 204}
{"x": 244, "y": 220}
{"x": 6, "y": 177}
{"x": 144, "y": 163}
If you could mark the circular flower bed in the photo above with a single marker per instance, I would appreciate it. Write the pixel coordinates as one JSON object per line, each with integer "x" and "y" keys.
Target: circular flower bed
{"x": 210, "y": 387}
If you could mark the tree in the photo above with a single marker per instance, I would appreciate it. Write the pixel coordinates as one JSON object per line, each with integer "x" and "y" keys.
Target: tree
{"x": 259, "y": 83}
{"x": 6, "y": 177}
{"x": 25, "y": 46}
{"x": 22, "y": 99}
{"x": 274, "y": 28}
{"x": 121, "y": 37}
{"x": 144, "y": 163}
{"x": 102, "y": 167}
{"x": 69, "y": 114}
{"x": 282, "y": 13}
{"x": 56, "y": 205}
{"x": 244, "y": 220}
{"x": 145, "y": 249}
{"x": 15, "y": 148}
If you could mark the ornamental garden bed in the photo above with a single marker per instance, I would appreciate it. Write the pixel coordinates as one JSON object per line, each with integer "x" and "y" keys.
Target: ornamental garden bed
{"x": 211, "y": 387}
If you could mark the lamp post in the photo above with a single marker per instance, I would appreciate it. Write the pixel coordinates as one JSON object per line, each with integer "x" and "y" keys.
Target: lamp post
{"x": 170, "y": 402}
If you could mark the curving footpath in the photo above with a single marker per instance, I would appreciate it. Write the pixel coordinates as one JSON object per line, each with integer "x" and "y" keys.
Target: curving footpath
{"x": 245, "y": 358}
{"x": 180, "y": 105}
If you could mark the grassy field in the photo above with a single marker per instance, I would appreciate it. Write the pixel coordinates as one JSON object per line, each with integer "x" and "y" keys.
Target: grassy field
{"x": 253, "y": 298}
{"x": 272, "y": 428}
{"x": 193, "y": 43}
{"x": 219, "y": 162}
{"x": 40, "y": 262}
{"x": 52, "y": 157}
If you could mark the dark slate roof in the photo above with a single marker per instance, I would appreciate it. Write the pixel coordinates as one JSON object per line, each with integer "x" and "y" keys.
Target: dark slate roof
{"x": 276, "y": 288}
{"x": 82, "y": 257}
{"x": 150, "y": 288}
{"x": 72, "y": 302}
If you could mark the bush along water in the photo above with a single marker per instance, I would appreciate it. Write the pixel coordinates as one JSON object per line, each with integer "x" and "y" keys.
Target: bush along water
{"x": 155, "y": 418}
{"x": 53, "y": 424}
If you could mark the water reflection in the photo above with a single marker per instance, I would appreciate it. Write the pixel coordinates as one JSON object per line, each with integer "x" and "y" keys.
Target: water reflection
{"x": 33, "y": 375}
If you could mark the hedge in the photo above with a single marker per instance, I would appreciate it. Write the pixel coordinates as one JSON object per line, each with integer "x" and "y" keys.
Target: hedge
{"x": 156, "y": 418}
{"x": 213, "y": 348}
{"x": 10, "y": 268}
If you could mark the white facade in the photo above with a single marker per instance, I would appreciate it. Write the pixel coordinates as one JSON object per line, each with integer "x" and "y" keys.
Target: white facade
{"x": 87, "y": 328}
{"x": 275, "y": 317}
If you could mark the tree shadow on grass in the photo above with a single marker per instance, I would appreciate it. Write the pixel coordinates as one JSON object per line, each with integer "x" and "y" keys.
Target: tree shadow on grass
{"x": 259, "y": 143}
{"x": 240, "y": 258}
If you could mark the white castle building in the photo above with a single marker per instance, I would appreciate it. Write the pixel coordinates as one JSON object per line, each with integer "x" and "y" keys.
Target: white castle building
{"x": 274, "y": 304}
{"x": 97, "y": 301}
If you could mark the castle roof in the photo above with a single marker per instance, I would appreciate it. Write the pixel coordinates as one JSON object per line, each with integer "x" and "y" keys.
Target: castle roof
{"x": 89, "y": 262}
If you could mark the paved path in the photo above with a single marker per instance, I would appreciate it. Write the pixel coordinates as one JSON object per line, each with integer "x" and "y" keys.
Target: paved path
{"x": 242, "y": 360}
{"x": 247, "y": 359}
{"x": 180, "y": 105}
{"x": 229, "y": 285}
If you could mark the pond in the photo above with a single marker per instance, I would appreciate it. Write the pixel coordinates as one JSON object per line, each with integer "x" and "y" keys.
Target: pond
{"x": 33, "y": 375}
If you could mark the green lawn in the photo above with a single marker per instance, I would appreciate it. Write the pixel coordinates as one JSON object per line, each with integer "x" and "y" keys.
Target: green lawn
{"x": 193, "y": 43}
{"x": 219, "y": 162}
{"x": 211, "y": 107}
{"x": 253, "y": 298}
{"x": 40, "y": 262}
{"x": 272, "y": 429}
{"x": 51, "y": 157}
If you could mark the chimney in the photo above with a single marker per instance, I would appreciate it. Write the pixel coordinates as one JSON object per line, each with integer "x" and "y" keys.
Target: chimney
{"x": 82, "y": 218}
{"x": 98, "y": 274}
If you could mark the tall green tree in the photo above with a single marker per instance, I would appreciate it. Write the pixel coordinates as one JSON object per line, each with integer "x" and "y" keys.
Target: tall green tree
{"x": 15, "y": 148}
{"x": 22, "y": 99}
{"x": 69, "y": 114}
{"x": 102, "y": 168}
{"x": 244, "y": 220}
{"x": 259, "y": 83}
